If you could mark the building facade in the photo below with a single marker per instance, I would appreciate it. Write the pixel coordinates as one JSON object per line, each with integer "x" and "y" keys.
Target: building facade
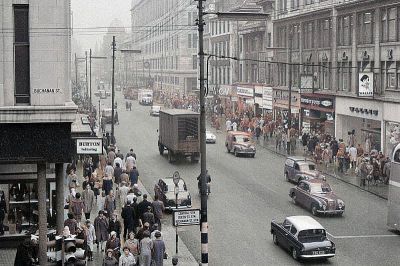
{"x": 36, "y": 113}
{"x": 349, "y": 51}
{"x": 166, "y": 33}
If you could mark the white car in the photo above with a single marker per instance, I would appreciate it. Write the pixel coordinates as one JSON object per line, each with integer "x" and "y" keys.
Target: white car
{"x": 210, "y": 137}
{"x": 155, "y": 110}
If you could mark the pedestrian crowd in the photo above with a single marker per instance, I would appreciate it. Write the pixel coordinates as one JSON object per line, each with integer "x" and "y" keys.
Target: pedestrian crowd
{"x": 111, "y": 185}
{"x": 175, "y": 101}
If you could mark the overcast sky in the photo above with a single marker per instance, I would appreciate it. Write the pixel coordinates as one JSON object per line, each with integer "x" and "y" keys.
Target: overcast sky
{"x": 97, "y": 13}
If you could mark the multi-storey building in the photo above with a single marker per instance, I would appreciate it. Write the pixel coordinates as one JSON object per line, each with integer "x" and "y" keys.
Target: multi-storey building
{"x": 348, "y": 52}
{"x": 166, "y": 33}
{"x": 36, "y": 113}
{"x": 246, "y": 41}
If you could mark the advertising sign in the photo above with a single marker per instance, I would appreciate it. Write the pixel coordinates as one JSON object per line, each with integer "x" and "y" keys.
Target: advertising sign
{"x": 366, "y": 84}
{"x": 267, "y": 98}
{"x": 89, "y": 146}
{"x": 186, "y": 217}
{"x": 246, "y": 92}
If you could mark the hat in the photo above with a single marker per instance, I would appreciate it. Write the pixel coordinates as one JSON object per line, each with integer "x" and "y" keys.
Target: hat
{"x": 149, "y": 207}
{"x": 109, "y": 250}
{"x": 158, "y": 234}
{"x": 146, "y": 224}
{"x": 113, "y": 233}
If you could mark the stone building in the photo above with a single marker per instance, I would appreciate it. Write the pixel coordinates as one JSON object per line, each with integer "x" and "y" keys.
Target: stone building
{"x": 36, "y": 113}
{"x": 166, "y": 33}
{"x": 346, "y": 54}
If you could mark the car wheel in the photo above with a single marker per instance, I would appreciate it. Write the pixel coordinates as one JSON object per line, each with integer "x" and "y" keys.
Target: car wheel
{"x": 161, "y": 149}
{"x": 227, "y": 149}
{"x": 275, "y": 239}
{"x": 314, "y": 210}
{"x": 295, "y": 255}
{"x": 236, "y": 153}
{"x": 340, "y": 214}
{"x": 287, "y": 177}
{"x": 294, "y": 199}
{"x": 253, "y": 155}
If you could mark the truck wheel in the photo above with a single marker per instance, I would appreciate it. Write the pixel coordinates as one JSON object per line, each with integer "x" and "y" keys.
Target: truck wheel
{"x": 161, "y": 149}
{"x": 170, "y": 156}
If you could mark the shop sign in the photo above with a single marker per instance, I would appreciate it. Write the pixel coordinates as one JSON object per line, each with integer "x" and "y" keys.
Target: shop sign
{"x": 295, "y": 110}
{"x": 284, "y": 96}
{"x": 243, "y": 91}
{"x": 363, "y": 110}
{"x": 267, "y": 98}
{"x": 224, "y": 91}
{"x": 46, "y": 90}
{"x": 366, "y": 84}
{"x": 321, "y": 102}
{"x": 89, "y": 146}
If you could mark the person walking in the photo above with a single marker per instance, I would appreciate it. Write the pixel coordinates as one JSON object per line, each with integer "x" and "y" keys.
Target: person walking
{"x": 72, "y": 179}
{"x": 109, "y": 204}
{"x": 353, "y": 156}
{"x": 77, "y": 206}
{"x": 127, "y": 258}
{"x": 133, "y": 245}
{"x": 109, "y": 259}
{"x": 145, "y": 249}
{"x": 101, "y": 229}
{"x": 114, "y": 244}
{"x": 158, "y": 250}
{"x": 142, "y": 206}
{"x": 107, "y": 185}
{"x": 148, "y": 217}
{"x": 159, "y": 208}
{"x": 91, "y": 239}
{"x": 88, "y": 198}
{"x": 71, "y": 223}
{"x": 278, "y": 139}
{"x": 133, "y": 175}
{"x": 114, "y": 225}
{"x": 123, "y": 193}
{"x": 128, "y": 215}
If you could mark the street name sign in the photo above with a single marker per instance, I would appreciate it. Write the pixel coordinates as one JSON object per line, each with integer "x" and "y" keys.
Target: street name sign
{"x": 89, "y": 146}
{"x": 186, "y": 217}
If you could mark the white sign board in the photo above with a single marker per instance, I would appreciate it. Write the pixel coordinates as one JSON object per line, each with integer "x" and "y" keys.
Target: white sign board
{"x": 186, "y": 217}
{"x": 365, "y": 84}
{"x": 267, "y": 98}
{"x": 246, "y": 92}
{"x": 89, "y": 146}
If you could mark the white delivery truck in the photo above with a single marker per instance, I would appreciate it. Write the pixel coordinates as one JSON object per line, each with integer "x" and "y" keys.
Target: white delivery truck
{"x": 145, "y": 97}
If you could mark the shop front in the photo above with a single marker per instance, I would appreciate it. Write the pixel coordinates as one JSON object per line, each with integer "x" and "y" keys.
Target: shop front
{"x": 222, "y": 99}
{"x": 258, "y": 100}
{"x": 361, "y": 120}
{"x": 245, "y": 96}
{"x": 391, "y": 119}
{"x": 267, "y": 100}
{"x": 281, "y": 106}
{"x": 318, "y": 113}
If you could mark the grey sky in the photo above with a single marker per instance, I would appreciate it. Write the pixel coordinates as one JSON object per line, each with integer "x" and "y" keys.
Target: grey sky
{"x": 97, "y": 13}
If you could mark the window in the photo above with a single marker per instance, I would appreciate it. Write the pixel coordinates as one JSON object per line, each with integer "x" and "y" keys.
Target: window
{"x": 194, "y": 58}
{"x": 325, "y": 30}
{"x": 296, "y": 37}
{"x": 390, "y": 24}
{"x": 295, "y": 4}
{"x": 293, "y": 230}
{"x": 190, "y": 40}
{"x": 344, "y": 76}
{"x": 391, "y": 75}
{"x": 345, "y": 28}
{"x": 366, "y": 27}
{"x": 269, "y": 39}
{"x": 21, "y": 54}
{"x": 308, "y": 35}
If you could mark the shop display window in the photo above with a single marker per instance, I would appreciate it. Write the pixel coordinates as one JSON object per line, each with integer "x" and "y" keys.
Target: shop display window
{"x": 392, "y": 136}
{"x": 19, "y": 207}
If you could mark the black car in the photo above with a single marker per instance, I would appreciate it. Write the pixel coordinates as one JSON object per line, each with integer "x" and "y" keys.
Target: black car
{"x": 304, "y": 237}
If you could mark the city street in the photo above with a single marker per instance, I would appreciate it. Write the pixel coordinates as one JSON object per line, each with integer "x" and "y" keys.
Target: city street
{"x": 247, "y": 194}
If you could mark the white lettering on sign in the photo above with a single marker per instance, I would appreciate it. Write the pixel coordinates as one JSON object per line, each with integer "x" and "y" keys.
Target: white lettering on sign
{"x": 245, "y": 91}
{"x": 89, "y": 146}
{"x": 47, "y": 90}
{"x": 186, "y": 217}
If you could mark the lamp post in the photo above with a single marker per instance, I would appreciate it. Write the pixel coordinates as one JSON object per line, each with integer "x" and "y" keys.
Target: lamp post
{"x": 90, "y": 75}
{"x": 200, "y": 23}
{"x": 176, "y": 179}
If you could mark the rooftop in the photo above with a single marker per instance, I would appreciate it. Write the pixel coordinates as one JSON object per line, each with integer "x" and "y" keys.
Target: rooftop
{"x": 304, "y": 222}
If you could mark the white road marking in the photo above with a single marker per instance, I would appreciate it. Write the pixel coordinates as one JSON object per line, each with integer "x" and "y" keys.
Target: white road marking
{"x": 361, "y": 236}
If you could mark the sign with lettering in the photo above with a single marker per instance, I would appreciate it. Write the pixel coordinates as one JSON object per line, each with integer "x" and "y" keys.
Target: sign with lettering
{"x": 89, "y": 146}
{"x": 366, "y": 84}
{"x": 317, "y": 102}
{"x": 46, "y": 90}
{"x": 267, "y": 98}
{"x": 246, "y": 92}
{"x": 186, "y": 217}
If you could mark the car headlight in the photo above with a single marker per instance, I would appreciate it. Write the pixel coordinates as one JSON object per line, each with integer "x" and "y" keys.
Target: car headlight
{"x": 340, "y": 203}
{"x": 324, "y": 207}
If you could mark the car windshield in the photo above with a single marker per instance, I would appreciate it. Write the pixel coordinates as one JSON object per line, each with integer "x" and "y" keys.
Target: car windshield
{"x": 312, "y": 235}
{"x": 181, "y": 185}
{"x": 307, "y": 167}
{"x": 241, "y": 138}
{"x": 320, "y": 188}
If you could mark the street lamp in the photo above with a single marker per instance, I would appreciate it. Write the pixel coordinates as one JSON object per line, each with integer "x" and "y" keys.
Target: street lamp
{"x": 200, "y": 23}
{"x": 176, "y": 179}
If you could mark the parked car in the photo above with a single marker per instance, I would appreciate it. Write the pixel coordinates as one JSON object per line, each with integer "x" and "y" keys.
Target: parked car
{"x": 240, "y": 143}
{"x": 155, "y": 110}
{"x": 304, "y": 237}
{"x": 165, "y": 189}
{"x": 210, "y": 137}
{"x": 317, "y": 196}
{"x": 295, "y": 167}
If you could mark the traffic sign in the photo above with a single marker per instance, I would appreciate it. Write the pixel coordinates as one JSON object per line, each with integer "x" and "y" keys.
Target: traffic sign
{"x": 186, "y": 217}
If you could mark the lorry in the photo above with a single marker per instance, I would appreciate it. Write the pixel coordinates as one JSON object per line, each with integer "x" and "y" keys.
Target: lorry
{"x": 145, "y": 97}
{"x": 130, "y": 93}
{"x": 179, "y": 134}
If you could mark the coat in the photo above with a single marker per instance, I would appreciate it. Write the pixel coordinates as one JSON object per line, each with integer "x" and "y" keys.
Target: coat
{"x": 110, "y": 261}
{"x": 158, "y": 252}
{"x": 101, "y": 227}
{"x": 89, "y": 200}
{"x": 127, "y": 260}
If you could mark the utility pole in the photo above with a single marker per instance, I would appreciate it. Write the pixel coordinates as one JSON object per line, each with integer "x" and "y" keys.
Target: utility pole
{"x": 112, "y": 92}
{"x": 204, "y": 223}
{"x": 289, "y": 120}
{"x": 76, "y": 71}
{"x": 86, "y": 77}
{"x": 90, "y": 79}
